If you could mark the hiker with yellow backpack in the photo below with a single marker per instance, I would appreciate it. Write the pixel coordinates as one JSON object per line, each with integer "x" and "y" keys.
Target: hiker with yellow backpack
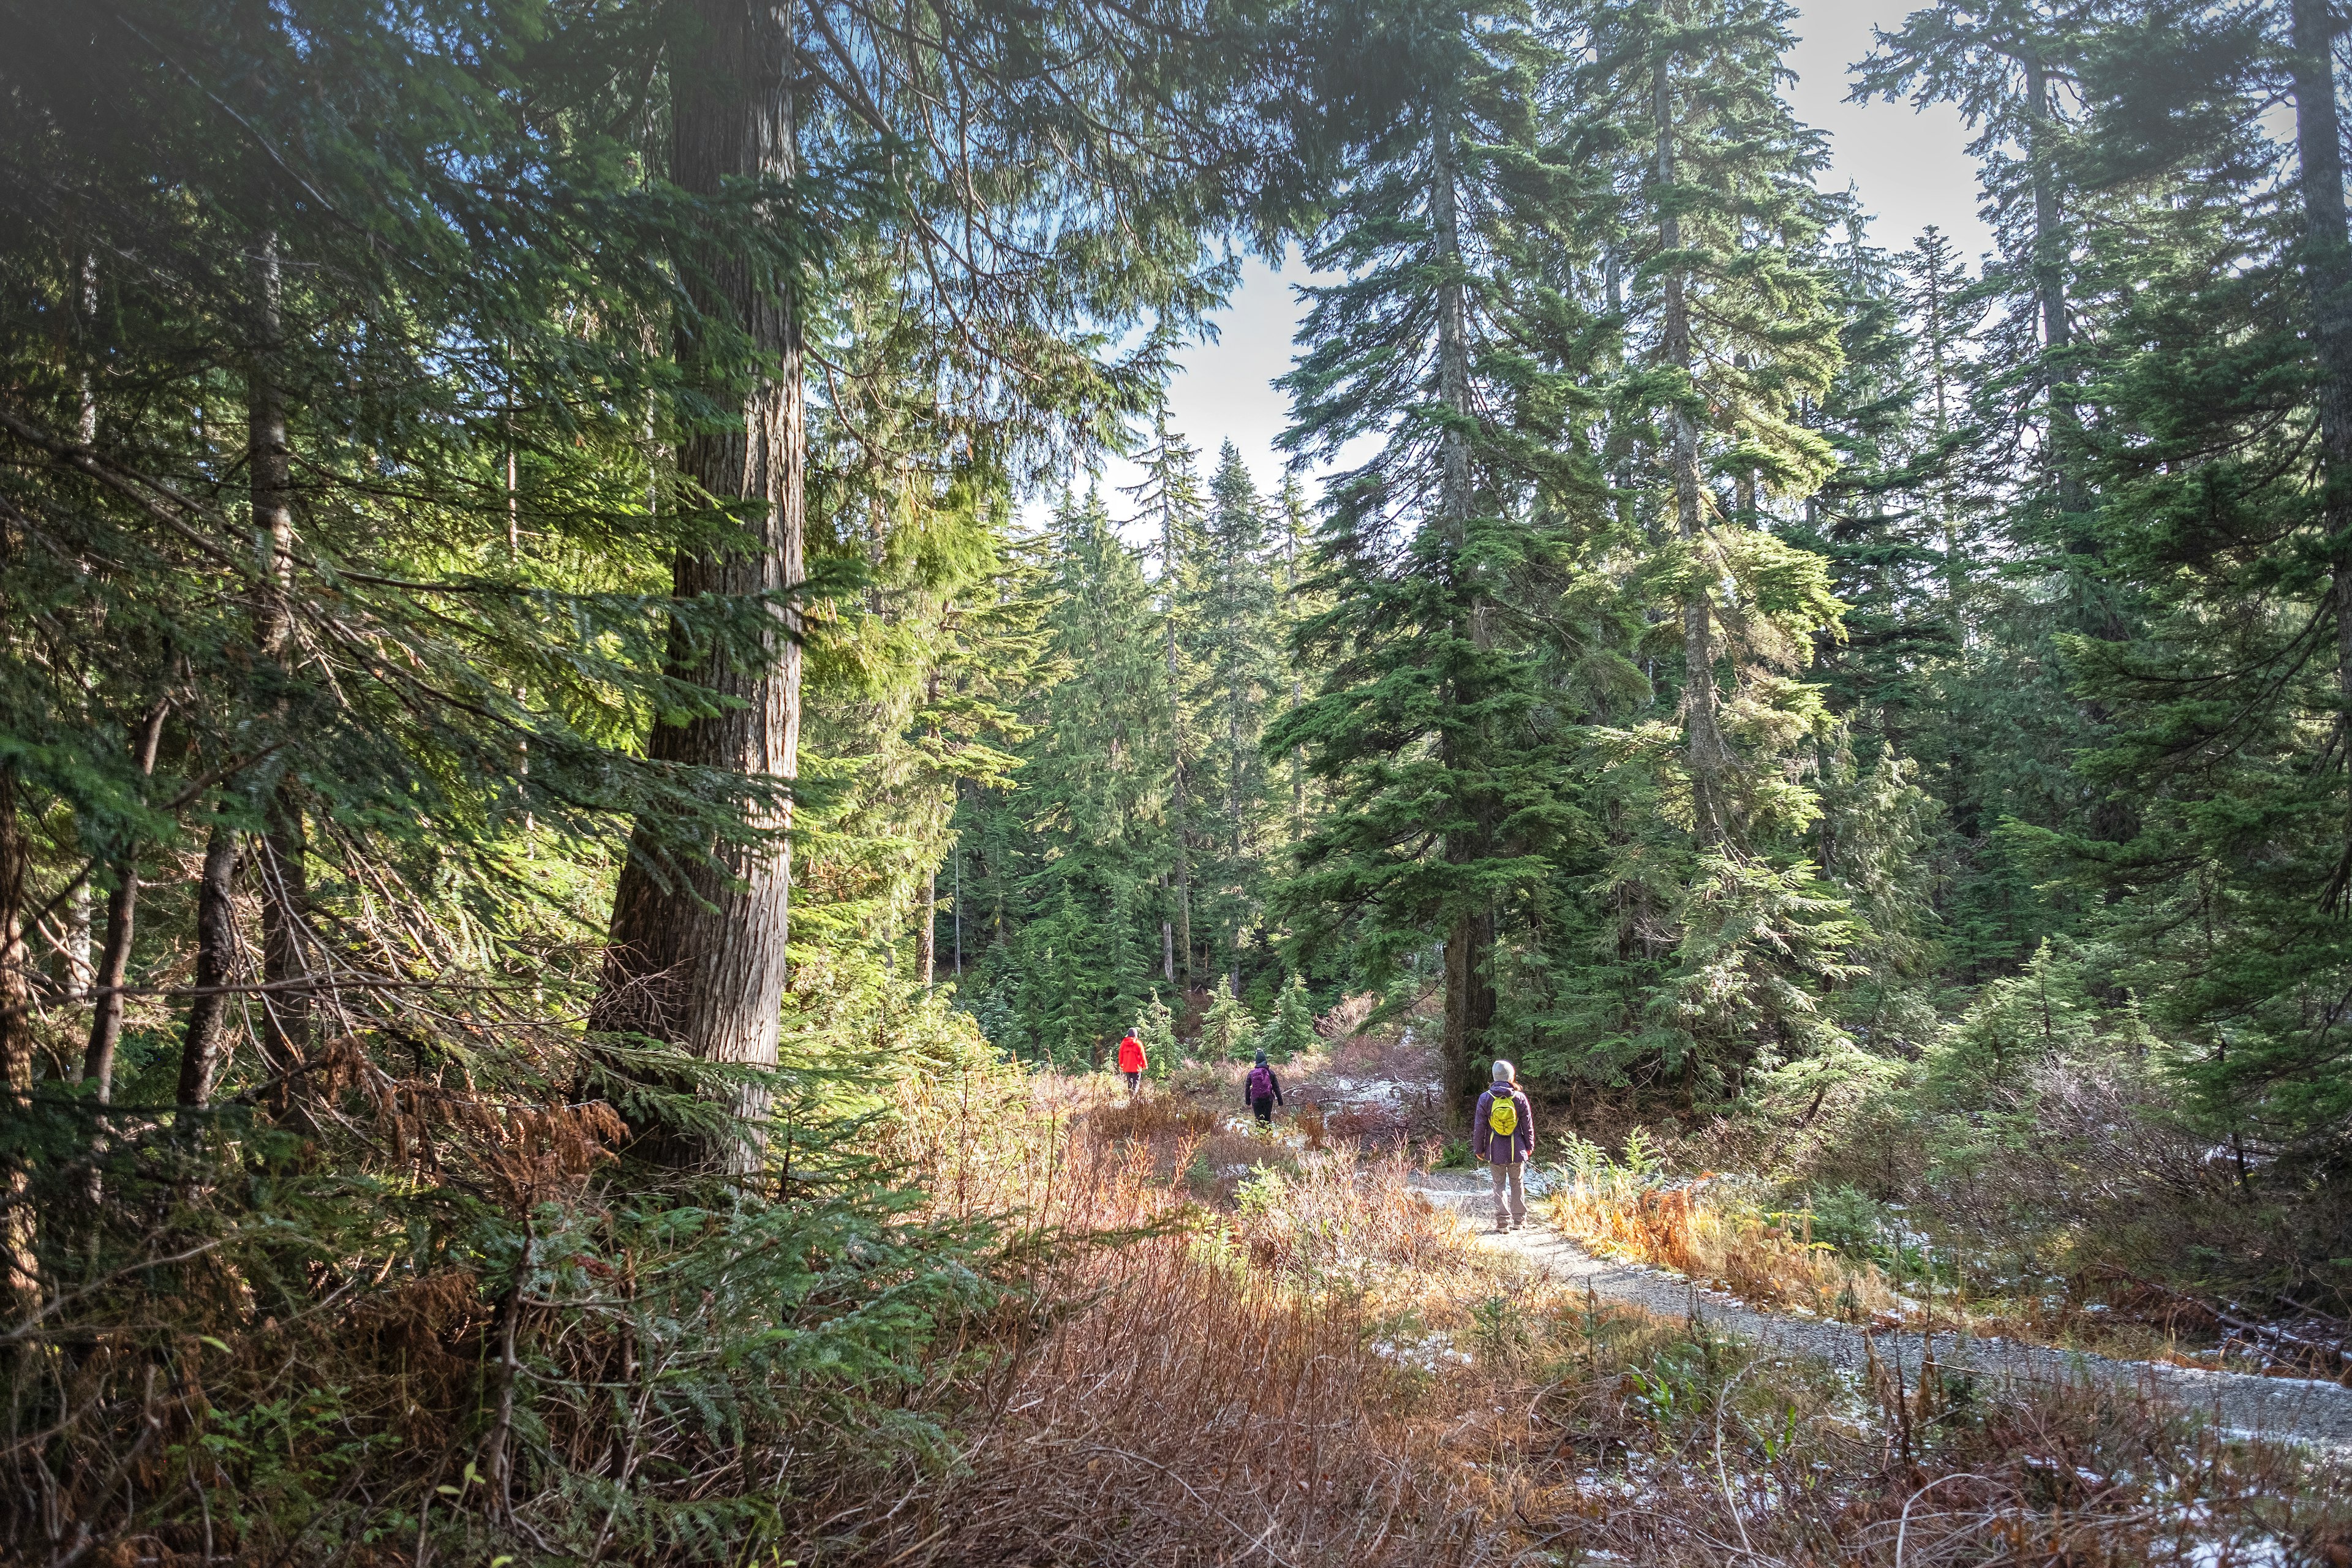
{"x": 1503, "y": 1134}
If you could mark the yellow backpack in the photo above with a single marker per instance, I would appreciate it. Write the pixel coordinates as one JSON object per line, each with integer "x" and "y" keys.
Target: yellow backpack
{"x": 1503, "y": 1115}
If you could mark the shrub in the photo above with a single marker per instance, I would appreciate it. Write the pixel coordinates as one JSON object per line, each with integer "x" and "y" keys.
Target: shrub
{"x": 1845, "y": 1218}
{"x": 1292, "y": 1030}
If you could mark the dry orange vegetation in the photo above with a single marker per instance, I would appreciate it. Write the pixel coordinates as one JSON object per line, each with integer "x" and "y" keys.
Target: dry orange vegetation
{"x": 1766, "y": 1259}
{"x": 1329, "y": 1372}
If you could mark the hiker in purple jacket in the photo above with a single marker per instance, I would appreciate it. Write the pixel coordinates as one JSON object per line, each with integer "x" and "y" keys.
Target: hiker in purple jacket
{"x": 1263, "y": 1090}
{"x": 1503, "y": 1134}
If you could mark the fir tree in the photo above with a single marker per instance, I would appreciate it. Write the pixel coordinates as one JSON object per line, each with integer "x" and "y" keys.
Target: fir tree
{"x": 1291, "y": 1031}
{"x": 1228, "y": 1031}
{"x": 2013, "y": 69}
{"x": 1233, "y": 620}
{"x": 2222, "y": 496}
{"x": 1155, "y": 1026}
{"x": 1428, "y": 728}
{"x": 1729, "y": 336}
{"x": 1168, "y": 502}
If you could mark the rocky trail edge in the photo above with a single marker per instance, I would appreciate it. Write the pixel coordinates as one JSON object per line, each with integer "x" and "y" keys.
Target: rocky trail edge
{"x": 2301, "y": 1409}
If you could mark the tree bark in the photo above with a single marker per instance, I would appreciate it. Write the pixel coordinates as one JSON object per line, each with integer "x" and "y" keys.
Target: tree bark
{"x": 1469, "y": 1010}
{"x": 2049, "y": 288}
{"x": 2328, "y": 275}
{"x": 1704, "y": 752}
{"x": 114, "y": 959}
{"x": 202, "y": 1039}
{"x": 288, "y": 1000}
{"x": 269, "y": 456}
{"x": 700, "y": 961}
{"x": 286, "y": 889}
{"x": 17, "y": 1254}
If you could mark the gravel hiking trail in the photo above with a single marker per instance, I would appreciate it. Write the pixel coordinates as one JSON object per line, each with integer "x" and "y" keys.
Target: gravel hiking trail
{"x": 2296, "y": 1408}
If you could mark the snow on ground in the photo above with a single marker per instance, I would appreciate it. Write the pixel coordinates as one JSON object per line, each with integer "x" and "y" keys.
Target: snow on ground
{"x": 2240, "y": 1403}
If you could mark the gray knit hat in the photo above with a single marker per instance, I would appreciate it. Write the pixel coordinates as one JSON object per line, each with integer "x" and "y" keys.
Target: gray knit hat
{"x": 1505, "y": 1072}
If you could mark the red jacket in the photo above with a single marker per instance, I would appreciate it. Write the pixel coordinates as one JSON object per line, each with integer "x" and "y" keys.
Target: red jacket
{"x": 1130, "y": 1055}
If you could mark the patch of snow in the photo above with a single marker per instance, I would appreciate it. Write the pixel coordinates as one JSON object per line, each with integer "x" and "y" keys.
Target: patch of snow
{"x": 2262, "y": 1552}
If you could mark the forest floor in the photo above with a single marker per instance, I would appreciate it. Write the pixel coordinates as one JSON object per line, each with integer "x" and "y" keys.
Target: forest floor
{"x": 1382, "y": 1092}
{"x": 1298, "y": 1342}
{"x": 2242, "y": 1404}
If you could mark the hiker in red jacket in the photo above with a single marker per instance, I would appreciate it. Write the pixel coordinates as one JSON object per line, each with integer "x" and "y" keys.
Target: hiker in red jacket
{"x": 1503, "y": 1134}
{"x": 1131, "y": 1062}
{"x": 1263, "y": 1090}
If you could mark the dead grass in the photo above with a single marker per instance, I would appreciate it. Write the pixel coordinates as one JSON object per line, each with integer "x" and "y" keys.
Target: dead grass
{"x": 1321, "y": 1369}
{"x": 1702, "y": 1229}
{"x": 2075, "y": 1239}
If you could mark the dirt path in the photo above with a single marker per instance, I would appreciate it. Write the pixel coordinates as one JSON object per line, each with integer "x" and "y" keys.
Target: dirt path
{"x": 2268, "y": 1406}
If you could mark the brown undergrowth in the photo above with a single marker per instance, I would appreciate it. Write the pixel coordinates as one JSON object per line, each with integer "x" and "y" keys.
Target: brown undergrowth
{"x": 2015, "y": 1251}
{"x": 1327, "y": 1371}
{"x": 1715, "y": 1231}
{"x": 1070, "y": 1349}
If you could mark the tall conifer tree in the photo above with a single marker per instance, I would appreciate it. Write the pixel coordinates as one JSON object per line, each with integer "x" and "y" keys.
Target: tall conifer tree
{"x": 1421, "y": 729}
{"x": 1729, "y": 338}
{"x": 1233, "y": 622}
{"x": 1170, "y": 504}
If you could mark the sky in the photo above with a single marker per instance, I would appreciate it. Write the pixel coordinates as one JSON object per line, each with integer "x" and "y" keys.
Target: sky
{"x": 1908, "y": 167}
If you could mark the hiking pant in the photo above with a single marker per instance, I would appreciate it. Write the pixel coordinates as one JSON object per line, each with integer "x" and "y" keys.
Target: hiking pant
{"x": 1263, "y": 1106}
{"x": 1511, "y": 1192}
{"x": 1134, "y": 1082}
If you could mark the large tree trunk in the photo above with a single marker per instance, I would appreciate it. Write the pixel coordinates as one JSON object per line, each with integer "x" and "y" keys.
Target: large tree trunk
{"x": 202, "y": 1040}
{"x": 1469, "y": 1010}
{"x": 1704, "y": 752}
{"x": 702, "y": 964}
{"x": 2327, "y": 274}
{"x": 1470, "y": 933}
{"x": 2049, "y": 288}
{"x": 2113, "y": 817}
{"x": 286, "y": 1000}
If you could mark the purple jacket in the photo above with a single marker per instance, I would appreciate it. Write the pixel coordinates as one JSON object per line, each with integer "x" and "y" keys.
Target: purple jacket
{"x": 1510, "y": 1151}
